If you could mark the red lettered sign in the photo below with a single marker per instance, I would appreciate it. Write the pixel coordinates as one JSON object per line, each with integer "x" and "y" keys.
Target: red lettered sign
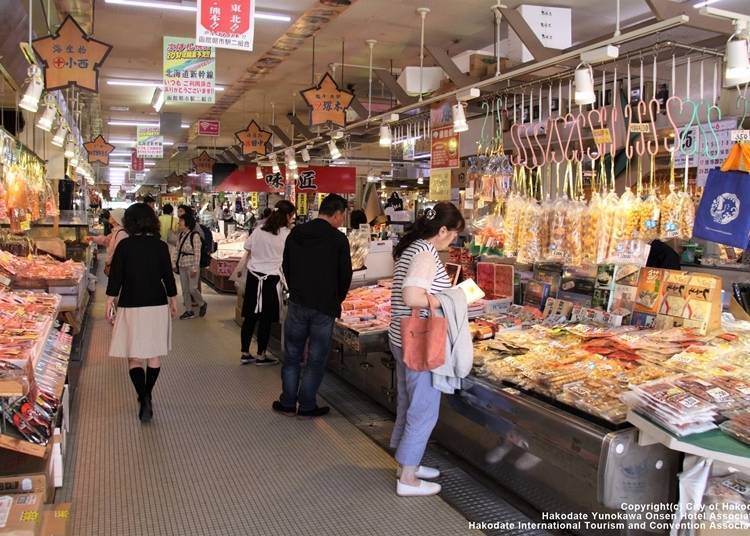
{"x": 225, "y": 24}
{"x": 208, "y": 127}
{"x": 313, "y": 179}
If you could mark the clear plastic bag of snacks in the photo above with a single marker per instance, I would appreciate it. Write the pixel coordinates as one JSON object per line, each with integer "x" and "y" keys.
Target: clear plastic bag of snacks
{"x": 687, "y": 216}
{"x": 573, "y": 244}
{"x": 547, "y": 208}
{"x": 591, "y": 216}
{"x": 650, "y": 211}
{"x": 530, "y": 232}
{"x": 625, "y": 223}
{"x": 557, "y": 229}
{"x": 670, "y": 215}
{"x": 514, "y": 205}
{"x": 606, "y": 225}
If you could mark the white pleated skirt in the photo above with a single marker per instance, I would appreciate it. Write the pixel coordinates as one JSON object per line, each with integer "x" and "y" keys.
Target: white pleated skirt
{"x": 141, "y": 332}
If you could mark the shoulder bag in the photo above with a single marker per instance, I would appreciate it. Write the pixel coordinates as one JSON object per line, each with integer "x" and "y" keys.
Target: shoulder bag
{"x": 423, "y": 340}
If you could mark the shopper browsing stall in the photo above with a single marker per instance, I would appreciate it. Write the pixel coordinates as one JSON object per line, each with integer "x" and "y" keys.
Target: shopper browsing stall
{"x": 318, "y": 270}
{"x": 419, "y": 274}
{"x": 188, "y": 265}
{"x": 142, "y": 282}
{"x": 167, "y": 222}
{"x": 260, "y": 306}
{"x": 110, "y": 241}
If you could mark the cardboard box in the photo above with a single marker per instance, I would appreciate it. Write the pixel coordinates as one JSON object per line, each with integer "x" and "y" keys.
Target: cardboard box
{"x": 20, "y": 515}
{"x": 56, "y": 520}
{"x": 26, "y": 474}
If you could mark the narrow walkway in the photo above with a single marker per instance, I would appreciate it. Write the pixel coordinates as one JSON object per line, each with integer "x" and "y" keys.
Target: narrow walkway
{"x": 216, "y": 460}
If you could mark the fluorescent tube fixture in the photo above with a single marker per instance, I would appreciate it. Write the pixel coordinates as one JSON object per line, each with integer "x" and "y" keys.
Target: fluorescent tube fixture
{"x": 177, "y": 6}
{"x": 127, "y": 123}
{"x": 69, "y": 148}
{"x": 157, "y": 101}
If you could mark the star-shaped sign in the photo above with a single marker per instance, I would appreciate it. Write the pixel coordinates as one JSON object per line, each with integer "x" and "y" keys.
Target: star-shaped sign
{"x": 204, "y": 163}
{"x": 98, "y": 150}
{"x": 328, "y": 102}
{"x": 253, "y": 139}
{"x": 70, "y": 58}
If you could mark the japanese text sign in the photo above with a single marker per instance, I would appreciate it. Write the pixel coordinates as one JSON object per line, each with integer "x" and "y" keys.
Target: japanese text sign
{"x": 208, "y": 127}
{"x": 98, "y": 150}
{"x": 328, "y": 102}
{"x": 136, "y": 164}
{"x": 189, "y": 71}
{"x": 70, "y": 58}
{"x": 253, "y": 139}
{"x": 225, "y": 24}
{"x": 204, "y": 163}
{"x": 440, "y": 185}
{"x": 149, "y": 143}
{"x": 312, "y": 180}
{"x": 445, "y": 145}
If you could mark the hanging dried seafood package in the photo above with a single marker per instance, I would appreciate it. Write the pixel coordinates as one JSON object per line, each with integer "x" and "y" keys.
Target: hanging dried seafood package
{"x": 625, "y": 223}
{"x": 591, "y": 219}
{"x": 530, "y": 231}
{"x": 557, "y": 221}
{"x": 513, "y": 208}
{"x": 650, "y": 210}
{"x": 687, "y": 216}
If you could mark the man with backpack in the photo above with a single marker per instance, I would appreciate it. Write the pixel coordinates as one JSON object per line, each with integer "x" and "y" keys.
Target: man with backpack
{"x": 191, "y": 255}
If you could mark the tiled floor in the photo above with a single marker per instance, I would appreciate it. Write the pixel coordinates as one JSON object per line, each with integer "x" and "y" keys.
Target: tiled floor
{"x": 215, "y": 460}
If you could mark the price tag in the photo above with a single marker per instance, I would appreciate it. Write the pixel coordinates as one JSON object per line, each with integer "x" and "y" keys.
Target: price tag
{"x": 642, "y": 128}
{"x": 602, "y": 136}
{"x": 740, "y": 135}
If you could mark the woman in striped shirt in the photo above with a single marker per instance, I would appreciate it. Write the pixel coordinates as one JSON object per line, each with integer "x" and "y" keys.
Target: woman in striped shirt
{"x": 418, "y": 275}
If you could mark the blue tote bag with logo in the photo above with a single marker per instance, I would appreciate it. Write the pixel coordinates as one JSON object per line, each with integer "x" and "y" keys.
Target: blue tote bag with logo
{"x": 723, "y": 215}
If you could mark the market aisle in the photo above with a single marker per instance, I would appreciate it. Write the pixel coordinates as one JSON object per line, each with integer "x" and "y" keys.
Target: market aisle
{"x": 215, "y": 460}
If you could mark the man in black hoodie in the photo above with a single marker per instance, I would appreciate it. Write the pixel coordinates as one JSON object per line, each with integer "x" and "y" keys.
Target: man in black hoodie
{"x": 318, "y": 270}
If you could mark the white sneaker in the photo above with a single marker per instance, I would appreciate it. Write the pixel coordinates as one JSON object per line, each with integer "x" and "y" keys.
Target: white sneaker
{"x": 422, "y": 490}
{"x": 423, "y": 471}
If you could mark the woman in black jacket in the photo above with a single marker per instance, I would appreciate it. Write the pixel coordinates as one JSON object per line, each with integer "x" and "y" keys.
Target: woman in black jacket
{"x": 141, "y": 280}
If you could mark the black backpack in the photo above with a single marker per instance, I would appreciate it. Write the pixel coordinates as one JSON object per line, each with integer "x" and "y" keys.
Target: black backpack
{"x": 207, "y": 246}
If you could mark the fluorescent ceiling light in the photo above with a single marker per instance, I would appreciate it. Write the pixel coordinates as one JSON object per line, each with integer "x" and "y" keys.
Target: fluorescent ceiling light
{"x": 175, "y": 6}
{"x": 119, "y": 153}
{"x": 126, "y": 123}
{"x": 704, "y": 3}
{"x": 119, "y": 163}
{"x": 120, "y": 141}
{"x": 423, "y": 156}
{"x": 143, "y": 83}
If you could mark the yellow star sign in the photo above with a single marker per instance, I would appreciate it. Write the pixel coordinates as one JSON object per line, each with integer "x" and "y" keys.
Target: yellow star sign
{"x": 70, "y": 58}
{"x": 204, "y": 163}
{"x": 98, "y": 150}
{"x": 253, "y": 139}
{"x": 328, "y": 102}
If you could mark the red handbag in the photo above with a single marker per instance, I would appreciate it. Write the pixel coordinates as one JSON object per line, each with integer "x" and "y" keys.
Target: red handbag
{"x": 423, "y": 341}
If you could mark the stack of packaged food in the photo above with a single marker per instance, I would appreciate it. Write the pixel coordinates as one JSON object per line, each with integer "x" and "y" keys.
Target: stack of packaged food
{"x": 368, "y": 308}
{"x": 40, "y": 268}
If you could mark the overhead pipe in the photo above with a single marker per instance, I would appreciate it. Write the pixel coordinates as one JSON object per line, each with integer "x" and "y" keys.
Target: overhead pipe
{"x": 639, "y": 33}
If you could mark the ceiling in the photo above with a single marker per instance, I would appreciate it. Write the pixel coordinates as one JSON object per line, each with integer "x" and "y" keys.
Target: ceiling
{"x": 136, "y": 35}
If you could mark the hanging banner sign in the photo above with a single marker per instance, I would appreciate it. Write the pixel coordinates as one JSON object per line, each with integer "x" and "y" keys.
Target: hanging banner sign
{"x": 440, "y": 185}
{"x": 204, "y": 163}
{"x": 253, "y": 139}
{"x": 189, "y": 71}
{"x": 328, "y": 102}
{"x": 98, "y": 150}
{"x": 225, "y": 24}
{"x": 149, "y": 142}
{"x": 302, "y": 204}
{"x": 313, "y": 179}
{"x": 136, "y": 164}
{"x": 252, "y": 199}
{"x": 445, "y": 144}
{"x": 208, "y": 127}
{"x": 70, "y": 58}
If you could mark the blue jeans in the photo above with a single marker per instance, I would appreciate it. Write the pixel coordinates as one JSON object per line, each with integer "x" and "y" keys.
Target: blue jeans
{"x": 303, "y": 324}
{"x": 417, "y": 411}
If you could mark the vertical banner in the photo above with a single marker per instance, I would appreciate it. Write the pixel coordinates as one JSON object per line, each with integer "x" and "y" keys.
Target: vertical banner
{"x": 440, "y": 185}
{"x": 136, "y": 164}
{"x": 189, "y": 71}
{"x": 225, "y": 24}
{"x": 445, "y": 142}
{"x": 149, "y": 143}
{"x": 302, "y": 204}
